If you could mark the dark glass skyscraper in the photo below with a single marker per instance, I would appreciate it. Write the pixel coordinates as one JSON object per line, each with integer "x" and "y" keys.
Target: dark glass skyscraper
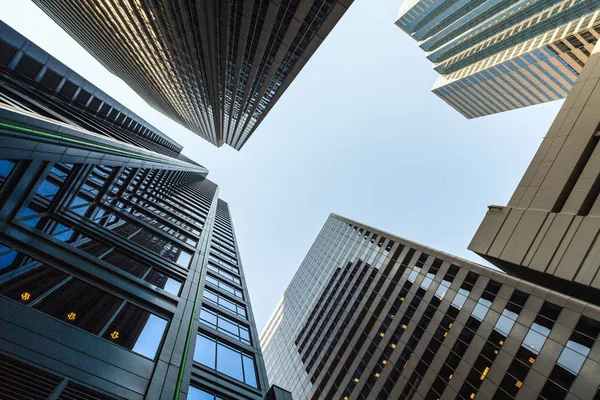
{"x": 119, "y": 271}
{"x": 370, "y": 315}
{"x": 217, "y": 67}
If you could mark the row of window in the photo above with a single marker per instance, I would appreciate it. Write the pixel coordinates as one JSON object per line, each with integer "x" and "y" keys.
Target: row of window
{"x": 79, "y": 304}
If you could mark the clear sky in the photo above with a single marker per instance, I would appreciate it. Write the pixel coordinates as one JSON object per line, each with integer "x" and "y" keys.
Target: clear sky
{"x": 358, "y": 133}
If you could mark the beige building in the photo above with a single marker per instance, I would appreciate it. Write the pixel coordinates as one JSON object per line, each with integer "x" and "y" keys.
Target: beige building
{"x": 548, "y": 232}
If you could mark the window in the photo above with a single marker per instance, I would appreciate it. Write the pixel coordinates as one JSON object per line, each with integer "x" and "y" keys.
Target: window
{"x": 6, "y": 167}
{"x": 224, "y": 286}
{"x": 579, "y": 345}
{"x": 200, "y": 394}
{"x": 224, "y": 302}
{"x": 138, "y": 330}
{"x": 413, "y": 274}
{"x": 225, "y": 324}
{"x": 226, "y": 359}
{"x": 224, "y": 274}
{"x": 79, "y": 303}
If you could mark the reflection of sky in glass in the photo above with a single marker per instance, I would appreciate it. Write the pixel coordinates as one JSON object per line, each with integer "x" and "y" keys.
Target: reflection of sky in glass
{"x": 571, "y": 360}
{"x": 5, "y": 167}
{"x": 6, "y": 259}
{"x": 204, "y": 352}
{"x": 47, "y": 190}
{"x": 504, "y": 324}
{"x": 149, "y": 340}
{"x": 249, "y": 371}
{"x": 184, "y": 259}
{"x": 172, "y": 286}
{"x": 229, "y": 362}
{"x": 578, "y": 347}
{"x": 534, "y": 340}
{"x": 197, "y": 394}
{"x": 480, "y": 310}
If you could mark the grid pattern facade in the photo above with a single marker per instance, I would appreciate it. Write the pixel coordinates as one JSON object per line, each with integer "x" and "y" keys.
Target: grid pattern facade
{"x": 494, "y": 56}
{"x": 370, "y": 315}
{"x": 216, "y": 67}
{"x": 119, "y": 266}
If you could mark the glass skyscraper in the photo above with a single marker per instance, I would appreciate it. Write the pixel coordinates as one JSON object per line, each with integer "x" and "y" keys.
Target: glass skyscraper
{"x": 494, "y": 56}
{"x": 120, "y": 276}
{"x": 216, "y": 67}
{"x": 370, "y": 315}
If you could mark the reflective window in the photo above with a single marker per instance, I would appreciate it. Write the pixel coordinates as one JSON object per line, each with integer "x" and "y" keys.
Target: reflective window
{"x": 6, "y": 167}
{"x": 224, "y": 286}
{"x": 226, "y": 359}
{"x": 413, "y": 274}
{"x": 138, "y": 330}
{"x": 183, "y": 259}
{"x": 579, "y": 345}
{"x": 79, "y": 303}
{"x": 224, "y": 302}
{"x": 225, "y": 324}
{"x": 224, "y": 274}
{"x": 200, "y": 394}
{"x": 534, "y": 339}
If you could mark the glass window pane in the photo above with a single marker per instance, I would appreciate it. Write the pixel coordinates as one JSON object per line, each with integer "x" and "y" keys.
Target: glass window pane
{"x": 208, "y": 317}
{"x": 24, "y": 279}
{"x": 504, "y": 325}
{"x": 205, "y": 351}
{"x": 479, "y": 311}
{"x": 184, "y": 259}
{"x": 534, "y": 341}
{"x": 81, "y": 304}
{"x": 571, "y": 360}
{"x": 249, "y": 371}
{"x": 229, "y": 362}
{"x": 137, "y": 330}
{"x": 199, "y": 394}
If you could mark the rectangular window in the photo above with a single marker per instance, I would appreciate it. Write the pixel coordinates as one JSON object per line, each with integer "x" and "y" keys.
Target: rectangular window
{"x": 233, "y": 362}
{"x": 79, "y": 303}
{"x": 225, "y": 303}
{"x": 224, "y": 324}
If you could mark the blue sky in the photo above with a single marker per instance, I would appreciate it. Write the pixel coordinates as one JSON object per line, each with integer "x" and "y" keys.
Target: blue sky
{"x": 358, "y": 133}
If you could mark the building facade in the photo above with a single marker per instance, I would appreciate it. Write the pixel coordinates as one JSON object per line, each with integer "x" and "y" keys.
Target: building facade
{"x": 494, "y": 56}
{"x": 370, "y": 315}
{"x": 216, "y": 67}
{"x": 548, "y": 232}
{"x": 120, "y": 276}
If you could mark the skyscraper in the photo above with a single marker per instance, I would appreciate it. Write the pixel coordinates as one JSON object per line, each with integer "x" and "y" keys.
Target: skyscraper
{"x": 216, "y": 67}
{"x": 548, "y": 232}
{"x": 370, "y": 315}
{"x": 494, "y": 56}
{"x": 120, "y": 276}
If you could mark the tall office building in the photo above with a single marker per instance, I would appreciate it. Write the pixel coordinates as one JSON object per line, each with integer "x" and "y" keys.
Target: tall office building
{"x": 216, "y": 67}
{"x": 494, "y": 56}
{"x": 120, "y": 276}
{"x": 548, "y": 232}
{"x": 370, "y": 315}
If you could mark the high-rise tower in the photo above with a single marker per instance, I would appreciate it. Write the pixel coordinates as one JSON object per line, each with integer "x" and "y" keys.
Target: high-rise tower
{"x": 549, "y": 230}
{"x": 217, "y": 67}
{"x": 494, "y": 56}
{"x": 120, "y": 276}
{"x": 370, "y": 315}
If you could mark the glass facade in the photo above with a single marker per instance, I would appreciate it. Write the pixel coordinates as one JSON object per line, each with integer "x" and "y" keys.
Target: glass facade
{"x": 372, "y": 315}
{"x": 494, "y": 56}
{"x": 119, "y": 270}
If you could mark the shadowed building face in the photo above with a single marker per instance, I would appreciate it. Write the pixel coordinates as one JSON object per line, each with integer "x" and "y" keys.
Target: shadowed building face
{"x": 216, "y": 67}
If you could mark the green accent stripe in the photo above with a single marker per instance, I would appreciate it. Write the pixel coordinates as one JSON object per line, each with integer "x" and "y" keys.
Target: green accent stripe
{"x": 186, "y": 349}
